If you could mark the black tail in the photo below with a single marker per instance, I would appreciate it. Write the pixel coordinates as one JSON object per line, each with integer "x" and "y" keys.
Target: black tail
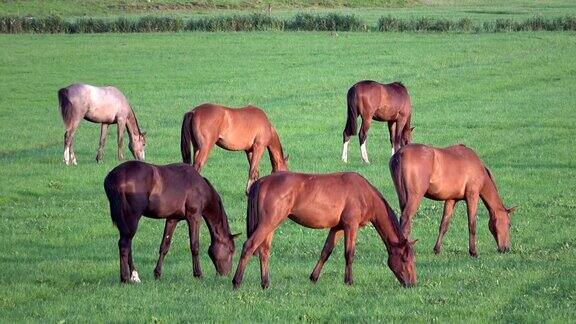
{"x": 350, "y": 128}
{"x": 65, "y": 105}
{"x": 186, "y": 137}
{"x": 252, "y": 217}
{"x": 115, "y": 200}
{"x": 396, "y": 172}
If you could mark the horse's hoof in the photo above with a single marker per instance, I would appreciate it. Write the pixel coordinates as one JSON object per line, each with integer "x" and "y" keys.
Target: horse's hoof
{"x": 134, "y": 278}
{"x": 235, "y": 285}
{"x": 265, "y": 284}
{"x": 313, "y": 278}
{"x": 349, "y": 282}
{"x": 473, "y": 254}
{"x": 198, "y": 275}
{"x": 157, "y": 275}
{"x": 436, "y": 250}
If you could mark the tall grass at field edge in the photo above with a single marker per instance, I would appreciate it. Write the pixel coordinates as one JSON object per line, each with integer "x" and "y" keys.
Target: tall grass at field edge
{"x": 259, "y": 22}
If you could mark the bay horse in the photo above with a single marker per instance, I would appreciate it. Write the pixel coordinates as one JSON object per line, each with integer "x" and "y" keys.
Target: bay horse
{"x": 381, "y": 102}
{"x": 235, "y": 129}
{"x": 173, "y": 192}
{"x": 449, "y": 174}
{"x": 342, "y": 202}
{"x": 104, "y": 105}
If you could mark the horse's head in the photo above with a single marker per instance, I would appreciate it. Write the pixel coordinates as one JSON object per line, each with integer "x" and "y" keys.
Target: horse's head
{"x": 137, "y": 144}
{"x": 499, "y": 225}
{"x": 221, "y": 252}
{"x": 401, "y": 262}
{"x": 406, "y": 136}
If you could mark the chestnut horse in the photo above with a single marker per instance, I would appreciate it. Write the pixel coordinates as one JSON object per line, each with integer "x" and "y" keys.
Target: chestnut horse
{"x": 450, "y": 174}
{"x": 342, "y": 202}
{"x": 381, "y": 102}
{"x": 241, "y": 129}
{"x": 104, "y": 105}
{"x": 173, "y": 192}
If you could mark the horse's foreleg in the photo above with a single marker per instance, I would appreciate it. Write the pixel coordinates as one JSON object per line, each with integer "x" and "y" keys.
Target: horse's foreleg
{"x": 349, "y": 250}
{"x": 254, "y": 159}
{"x": 165, "y": 245}
{"x": 472, "y": 205}
{"x": 446, "y": 216}
{"x": 392, "y": 131}
{"x": 400, "y": 124}
{"x": 333, "y": 237}
{"x": 121, "y": 126}
{"x": 103, "y": 135}
{"x": 194, "y": 232}
{"x": 366, "y": 121}
{"x": 264, "y": 257}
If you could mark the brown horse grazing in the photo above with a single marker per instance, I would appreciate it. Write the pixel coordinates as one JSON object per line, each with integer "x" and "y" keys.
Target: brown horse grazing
{"x": 104, "y": 105}
{"x": 450, "y": 174}
{"x": 242, "y": 129}
{"x": 382, "y": 102}
{"x": 173, "y": 192}
{"x": 342, "y": 202}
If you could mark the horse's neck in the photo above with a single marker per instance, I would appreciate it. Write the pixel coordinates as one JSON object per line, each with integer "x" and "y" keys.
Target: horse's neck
{"x": 386, "y": 223}
{"x": 217, "y": 222}
{"x": 132, "y": 124}
{"x": 491, "y": 198}
{"x": 276, "y": 153}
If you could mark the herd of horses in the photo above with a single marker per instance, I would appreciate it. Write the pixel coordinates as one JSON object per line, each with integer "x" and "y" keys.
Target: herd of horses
{"x": 341, "y": 202}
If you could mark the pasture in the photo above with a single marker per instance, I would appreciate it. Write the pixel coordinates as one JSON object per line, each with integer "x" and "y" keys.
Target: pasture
{"x": 510, "y": 96}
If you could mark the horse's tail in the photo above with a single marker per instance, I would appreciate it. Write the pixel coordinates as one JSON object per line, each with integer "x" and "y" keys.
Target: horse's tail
{"x": 65, "y": 105}
{"x": 186, "y": 137}
{"x": 252, "y": 215}
{"x": 350, "y": 128}
{"x": 396, "y": 172}
{"x": 116, "y": 206}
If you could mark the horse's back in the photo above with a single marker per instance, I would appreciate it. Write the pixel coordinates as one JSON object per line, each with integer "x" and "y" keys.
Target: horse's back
{"x": 384, "y": 101}
{"x": 97, "y": 104}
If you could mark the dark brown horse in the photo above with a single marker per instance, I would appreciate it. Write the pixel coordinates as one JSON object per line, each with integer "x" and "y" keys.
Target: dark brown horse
{"x": 449, "y": 174}
{"x": 382, "y": 102}
{"x": 342, "y": 202}
{"x": 242, "y": 129}
{"x": 104, "y": 105}
{"x": 173, "y": 192}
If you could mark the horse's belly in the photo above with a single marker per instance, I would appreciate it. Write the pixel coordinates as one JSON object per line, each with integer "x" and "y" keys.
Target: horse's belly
{"x": 234, "y": 145}
{"x": 315, "y": 217}
{"x": 99, "y": 116}
{"x": 443, "y": 193}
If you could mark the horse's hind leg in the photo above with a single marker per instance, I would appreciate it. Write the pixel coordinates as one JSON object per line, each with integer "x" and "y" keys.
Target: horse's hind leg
{"x": 201, "y": 154}
{"x": 366, "y": 122}
{"x": 400, "y": 124}
{"x": 412, "y": 203}
{"x": 333, "y": 237}
{"x": 446, "y": 216}
{"x": 194, "y": 232}
{"x": 165, "y": 245}
{"x": 103, "y": 134}
{"x": 264, "y": 253}
{"x": 392, "y": 131}
{"x": 69, "y": 156}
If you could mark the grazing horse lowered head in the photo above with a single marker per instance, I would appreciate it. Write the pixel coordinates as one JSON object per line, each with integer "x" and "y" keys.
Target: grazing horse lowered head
{"x": 381, "y": 102}
{"x": 172, "y": 192}
{"x": 241, "y": 129}
{"x": 104, "y": 105}
{"x": 449, "y": 174}
{"x": 342, "y": 202}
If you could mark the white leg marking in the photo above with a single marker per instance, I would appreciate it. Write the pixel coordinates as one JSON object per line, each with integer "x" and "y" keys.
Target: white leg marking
{"x": 74, "y": 159}
{"x": 393, "y": 150}
{"x": 364, "y": 153}
{"x": 248, "y": 185}
{"x": 345, "y": 152}
{"x": 143, "y": 155}
{"x": 134, "y": 277}
{"x": 67, "y": 156}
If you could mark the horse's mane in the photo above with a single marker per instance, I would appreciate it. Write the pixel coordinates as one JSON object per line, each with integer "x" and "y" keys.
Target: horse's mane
{"x": 391, "y": 213}
{"x": 135, "y": 120}
{"x": 220, "y": 204}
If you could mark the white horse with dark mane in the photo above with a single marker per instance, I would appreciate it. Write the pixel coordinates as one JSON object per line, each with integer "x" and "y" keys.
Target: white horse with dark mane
{"x": 103, "y": 105}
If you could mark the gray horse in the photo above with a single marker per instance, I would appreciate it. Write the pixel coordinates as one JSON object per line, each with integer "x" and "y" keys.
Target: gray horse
{"x": 104, "y": 105}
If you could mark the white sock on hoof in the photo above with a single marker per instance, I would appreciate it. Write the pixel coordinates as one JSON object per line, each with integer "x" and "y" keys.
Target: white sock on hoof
{"x": 345, "y": 152}
{"x": 134, "y": 277}
{"x": 393, "y": 151}
{"x": 364, "y": 153}
{"x": 67, "y": 156}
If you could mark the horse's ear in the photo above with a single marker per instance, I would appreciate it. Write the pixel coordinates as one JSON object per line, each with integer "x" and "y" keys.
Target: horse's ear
{"x": 286, "y": 158}
{"x": 412, "y": 128}
{"x": 234, "y": 236}
{"x": 511, "y": 210}
{"x": 413, "y": 242}
{"x": 143, "y": 133}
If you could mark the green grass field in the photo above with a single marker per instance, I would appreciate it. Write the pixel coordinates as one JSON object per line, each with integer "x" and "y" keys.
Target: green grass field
{"x": 510, "y": 96}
